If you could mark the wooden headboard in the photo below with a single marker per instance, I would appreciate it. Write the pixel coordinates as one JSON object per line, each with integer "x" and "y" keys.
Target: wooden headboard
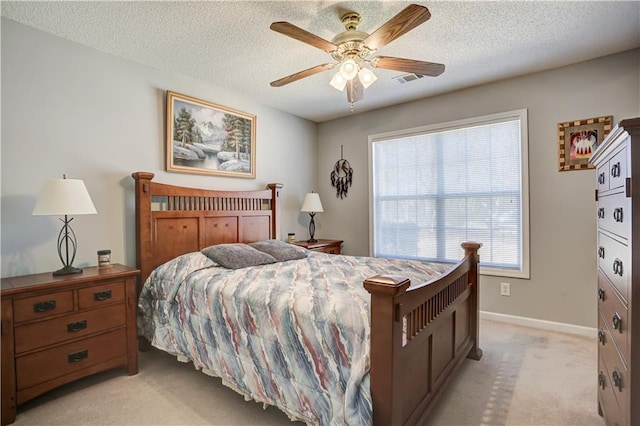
{"x": 173, "y": 220}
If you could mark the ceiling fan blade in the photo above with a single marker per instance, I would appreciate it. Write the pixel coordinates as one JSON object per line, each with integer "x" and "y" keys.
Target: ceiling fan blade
{"x": 301, "y": 74}
{"x": 303, "y": 36}
{"x": 430, "y": 69}
{"x": 355, "y": 90}
{"x": 409, "y": 18}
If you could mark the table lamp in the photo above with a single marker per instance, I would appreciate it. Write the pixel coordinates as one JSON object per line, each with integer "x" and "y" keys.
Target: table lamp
{"x": 64, "y": 197}
{"x": 312, "y": 205}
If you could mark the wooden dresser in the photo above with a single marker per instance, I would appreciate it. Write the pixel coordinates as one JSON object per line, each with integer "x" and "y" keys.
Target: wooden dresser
{"x": 324, "y": 246}
{"x": 617, "y": 161}
{"x": 59, "y": 329}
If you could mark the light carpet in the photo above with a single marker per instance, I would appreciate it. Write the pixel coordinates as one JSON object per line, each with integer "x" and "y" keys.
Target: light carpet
{"x": 527, "y": 377}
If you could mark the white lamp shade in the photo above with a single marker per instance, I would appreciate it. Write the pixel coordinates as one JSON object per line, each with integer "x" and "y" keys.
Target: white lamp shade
{"x": 312, "y": 203}
{"x": 61, "y": 197}
{"x": 349, "y": 69}
{"x": 338, "y": 81}
{"x": 367, "y": 78}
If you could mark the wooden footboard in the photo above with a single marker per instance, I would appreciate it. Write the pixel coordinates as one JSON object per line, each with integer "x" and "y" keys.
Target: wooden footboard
{"x": 420, "y": 335}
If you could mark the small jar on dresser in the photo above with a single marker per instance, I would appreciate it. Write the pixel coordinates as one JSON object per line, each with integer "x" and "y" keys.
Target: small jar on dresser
{"x": 617, "y": 162}
{"x": 57, "y": 329}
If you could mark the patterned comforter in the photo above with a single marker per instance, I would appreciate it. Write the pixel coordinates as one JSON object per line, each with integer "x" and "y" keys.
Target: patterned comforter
{"x": 291, "y": 334}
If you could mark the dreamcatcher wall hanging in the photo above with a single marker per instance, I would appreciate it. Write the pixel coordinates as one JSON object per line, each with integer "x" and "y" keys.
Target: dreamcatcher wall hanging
{"x": 341, "y": 176}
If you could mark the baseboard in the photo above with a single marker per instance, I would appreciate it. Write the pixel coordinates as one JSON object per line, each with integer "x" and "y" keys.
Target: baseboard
{"x": 541, "y": 324}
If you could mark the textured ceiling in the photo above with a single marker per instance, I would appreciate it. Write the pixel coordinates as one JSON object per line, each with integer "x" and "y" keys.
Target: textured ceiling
{"x": 229, "y": 43}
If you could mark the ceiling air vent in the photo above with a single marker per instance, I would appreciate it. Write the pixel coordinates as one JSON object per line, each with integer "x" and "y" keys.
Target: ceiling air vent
{"x": 407, "y": 78}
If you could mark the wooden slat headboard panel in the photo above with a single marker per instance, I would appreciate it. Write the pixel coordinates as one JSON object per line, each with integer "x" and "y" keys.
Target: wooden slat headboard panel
{"x": 173, "y": 220}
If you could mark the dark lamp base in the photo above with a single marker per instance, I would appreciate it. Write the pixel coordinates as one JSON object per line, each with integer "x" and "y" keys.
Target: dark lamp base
{"x": 312, "y": 240}
{"x": 67, "y": 270}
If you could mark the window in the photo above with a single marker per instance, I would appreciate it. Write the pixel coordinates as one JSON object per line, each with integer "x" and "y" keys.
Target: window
{"x": 434, "y": 187}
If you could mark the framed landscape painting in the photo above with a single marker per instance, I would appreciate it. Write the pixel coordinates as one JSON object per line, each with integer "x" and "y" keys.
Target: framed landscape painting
{"x": 209, "y": 139}
{"x": 578, "y": 139}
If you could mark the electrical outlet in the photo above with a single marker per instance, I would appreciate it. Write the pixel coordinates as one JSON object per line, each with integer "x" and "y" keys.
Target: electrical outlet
{"x": 505, "y": 289}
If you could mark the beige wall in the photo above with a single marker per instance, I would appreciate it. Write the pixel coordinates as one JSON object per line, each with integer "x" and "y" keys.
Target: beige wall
{"x": 70, "y": 109}
{"x": 562, "y": 221}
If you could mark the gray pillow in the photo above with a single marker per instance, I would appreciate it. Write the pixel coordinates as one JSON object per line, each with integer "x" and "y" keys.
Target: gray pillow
{"x": 237, "y": 255}
{"x": 280, "y": 250}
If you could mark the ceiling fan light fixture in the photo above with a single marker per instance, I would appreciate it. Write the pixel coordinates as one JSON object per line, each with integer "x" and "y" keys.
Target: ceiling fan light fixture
{"x": 349, "y": 69}
{"x": 366, "y": 76}
{"x": 338, "y": 81}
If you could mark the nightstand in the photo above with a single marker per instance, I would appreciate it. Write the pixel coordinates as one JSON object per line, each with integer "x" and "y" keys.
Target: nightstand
{"x": 59, "y": 329}
{"x": 324, "y": 246}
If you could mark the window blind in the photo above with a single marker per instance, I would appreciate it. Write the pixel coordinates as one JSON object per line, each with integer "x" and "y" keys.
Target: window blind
{"x": 435, "y": 188}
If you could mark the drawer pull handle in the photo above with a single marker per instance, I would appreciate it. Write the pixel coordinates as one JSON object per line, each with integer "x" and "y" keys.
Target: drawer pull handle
{"x": 617, "y": 267}
{"x": 601, "y": 252}
{"x": 616, "y": 321}
{"x": 99, "y": 296}
{"x": 601, "y": 294}
{"x": 602, "y": 381}
{"x": 73, "y": 327}
{"x": 78, "y": 356}
{"x": 41, "y": 307}
{"x": 616, "y": 378}
{"x": 617, "y": 214}
{"x": 601, "y": 178}
{"x": 601, "y": 336}
{"x": 601, "y": 213}
{"x": 615, "y": 170}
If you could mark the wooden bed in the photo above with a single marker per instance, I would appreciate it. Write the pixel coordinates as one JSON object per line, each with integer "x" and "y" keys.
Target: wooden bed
{"x": 420, "y": 333}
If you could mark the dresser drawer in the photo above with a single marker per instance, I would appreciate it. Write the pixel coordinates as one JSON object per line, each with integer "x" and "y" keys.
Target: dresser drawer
{"x": 606, "y": 397}
{"x": 101, "y": 295}
{"x": 58, "y": 330}
{"x": 618, "y": 169}
{"x": 42, "y": 306}
{"x": 607, "y": 349}
{"x": 615, "y": 313}
{"x": 614, "y": 214}
{"x": 603, "y": 178}
{"x": 612, "y": 174}
{"x": 45, "y": 365}
{"x": 614, "y": 261}
{"x": 609, "y": 397}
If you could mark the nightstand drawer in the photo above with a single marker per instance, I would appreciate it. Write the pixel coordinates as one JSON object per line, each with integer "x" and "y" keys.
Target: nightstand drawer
{"x": 42, "y": 306}
{"x": 57, "y": 330}
{"x": 39, "y": 367}
{"x": 335, "y": 249}
{"x": 100, "y": 295}
{"x": 322, "y": 246}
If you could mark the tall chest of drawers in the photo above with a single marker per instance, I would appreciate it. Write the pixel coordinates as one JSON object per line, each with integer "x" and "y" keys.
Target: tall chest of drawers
{"x": 617, "y": 162}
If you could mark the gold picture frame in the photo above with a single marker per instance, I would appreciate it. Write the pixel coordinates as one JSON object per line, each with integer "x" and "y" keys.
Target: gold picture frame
{"x": 578, "y": 139}
{"x": 209, "y": 139}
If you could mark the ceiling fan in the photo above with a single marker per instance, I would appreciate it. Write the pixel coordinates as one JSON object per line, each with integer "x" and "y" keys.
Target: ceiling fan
{"x": 352, "y": 49}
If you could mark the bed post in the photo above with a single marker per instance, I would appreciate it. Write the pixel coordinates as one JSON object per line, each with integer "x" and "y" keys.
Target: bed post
{"x": 144, "y": 254}
{"x": 471, "y": 250}
{"x": 385, "y": 328}
{"x": 275, "y": 209}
